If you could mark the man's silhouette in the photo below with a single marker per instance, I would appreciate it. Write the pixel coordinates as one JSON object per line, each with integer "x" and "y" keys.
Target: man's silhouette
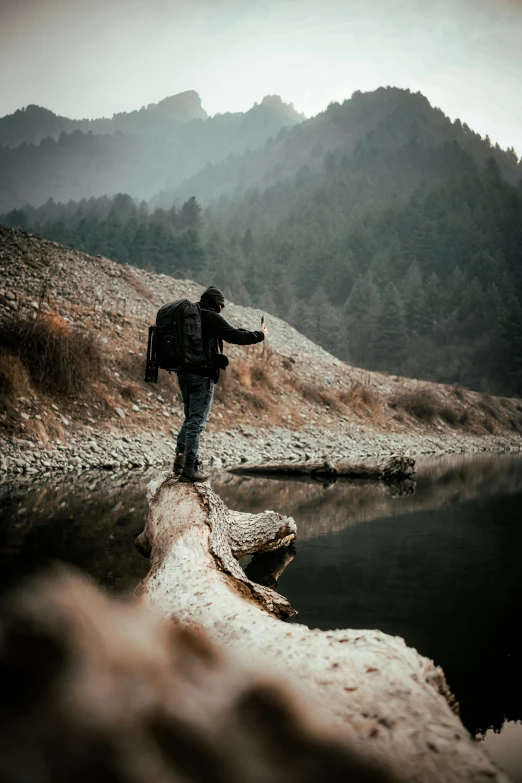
{"x": 197, "y": 383}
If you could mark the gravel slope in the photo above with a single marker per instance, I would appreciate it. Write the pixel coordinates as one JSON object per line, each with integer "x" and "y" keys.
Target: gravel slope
{"x": 281, "y": 400}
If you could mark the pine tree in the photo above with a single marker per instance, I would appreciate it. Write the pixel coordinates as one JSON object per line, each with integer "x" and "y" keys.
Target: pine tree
{"x": 361, "y": 314}
{"x": 411, "y": 294}
{"x": 190, "y": 214}
{"x": 390, "y": 342}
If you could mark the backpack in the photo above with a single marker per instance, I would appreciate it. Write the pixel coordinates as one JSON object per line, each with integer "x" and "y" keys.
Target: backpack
{"x": 175, "y": 340}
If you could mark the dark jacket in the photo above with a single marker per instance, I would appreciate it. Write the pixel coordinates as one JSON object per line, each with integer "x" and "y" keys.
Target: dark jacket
{"x": 215, "y": 331}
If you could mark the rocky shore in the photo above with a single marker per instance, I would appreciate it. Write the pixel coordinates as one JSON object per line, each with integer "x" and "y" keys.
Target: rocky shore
{"x": 288, "y": 399}
{"x": 115, "y": 451}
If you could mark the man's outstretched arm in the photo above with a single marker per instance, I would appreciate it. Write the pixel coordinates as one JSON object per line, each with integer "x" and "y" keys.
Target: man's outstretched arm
{"x": 222, "y": 329}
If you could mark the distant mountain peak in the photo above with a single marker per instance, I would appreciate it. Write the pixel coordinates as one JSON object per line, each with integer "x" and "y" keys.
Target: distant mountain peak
{"x": 276, "y": 103}
{"x": 183, "y": 106}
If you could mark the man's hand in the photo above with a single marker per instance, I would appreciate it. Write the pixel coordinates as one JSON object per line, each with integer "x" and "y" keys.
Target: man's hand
{"x": 264, "y": 329}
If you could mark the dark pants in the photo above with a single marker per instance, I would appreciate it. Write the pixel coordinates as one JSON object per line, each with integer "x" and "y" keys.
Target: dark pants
{"x": 197, "y": 393}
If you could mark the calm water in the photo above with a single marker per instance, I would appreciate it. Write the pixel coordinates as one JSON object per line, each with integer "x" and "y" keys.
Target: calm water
{"x": 438, "y": 565}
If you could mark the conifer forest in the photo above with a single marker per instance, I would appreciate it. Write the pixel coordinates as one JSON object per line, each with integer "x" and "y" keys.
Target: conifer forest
{"x": 380, "y": 229}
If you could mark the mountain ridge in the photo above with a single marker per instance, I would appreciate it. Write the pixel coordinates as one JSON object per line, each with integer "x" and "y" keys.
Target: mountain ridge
{"x": 33, "y": 123}
{"x": 153, "y": 153}
{"x": 388, "y": 117}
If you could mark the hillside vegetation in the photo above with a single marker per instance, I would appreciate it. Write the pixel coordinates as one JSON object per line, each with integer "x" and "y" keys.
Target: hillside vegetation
{"x": 44, "y": 156}
{"x": 384, "y": 232}
{"x": 91, "y": 316}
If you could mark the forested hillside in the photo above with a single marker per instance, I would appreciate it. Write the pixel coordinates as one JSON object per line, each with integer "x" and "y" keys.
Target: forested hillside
{"x": 372, "y": 126}
{"x": 399, "y": 251}
{"x": 140, "y": 153}
{"x": 161, "y": 240}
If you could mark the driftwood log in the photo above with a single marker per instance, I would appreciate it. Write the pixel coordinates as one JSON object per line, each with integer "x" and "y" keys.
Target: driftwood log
{"x": 99, "y": 691}
{"x": 380, "y": 696}
{"x": 395, "y": 468}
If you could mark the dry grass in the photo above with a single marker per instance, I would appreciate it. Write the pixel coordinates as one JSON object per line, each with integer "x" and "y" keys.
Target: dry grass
{"x": 459, "y": 392}
{"x": 422, "y": 404}
{"x": 249, "y": 383}
{"x": 515, "y": 423}
{"x": 360, "y": 399}
{"x": 60, "y": 360}
{"x": 487, "y": 406}
{"x": 319, "y": 396}
{"x": 130, "y": 392}
{"x": 426, "y": 406}
{"x": 14, "y": 380}
{"x": 288, "y": 363}
{"x": 357, "y": 398}
{"x": 485, "y": 414}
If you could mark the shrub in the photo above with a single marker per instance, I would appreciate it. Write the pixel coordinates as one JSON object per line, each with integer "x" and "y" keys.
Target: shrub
{"x": 248, "y": 384}
{"x": 14, "y": 380}
{"x": 317, "y": 395}
{"x": 489, "y": 410}
{"x": 359, "y": 398}
{"x": 422, "y": 404}
{"x": 259, "y": 374}
{"x": 255, "y": 399}
{"x": 459, "y": 391}
{"x": 516, "y": 424}
{"x": 59, "y": 359}
{"x": 465, "y": 418}
{"x": 129, "y": 392}
{"x": 450, "y": 415}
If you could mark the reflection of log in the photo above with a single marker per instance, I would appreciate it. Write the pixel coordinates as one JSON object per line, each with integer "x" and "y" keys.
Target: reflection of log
{"x": 388, "y": 701}
{"x": 393, "y": 469}
{"x": 398, "y": 489}
{"x": 97, "y": 690}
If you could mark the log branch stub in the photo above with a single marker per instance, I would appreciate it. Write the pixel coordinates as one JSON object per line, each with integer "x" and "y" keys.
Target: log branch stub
{"x": 231, "y": 534}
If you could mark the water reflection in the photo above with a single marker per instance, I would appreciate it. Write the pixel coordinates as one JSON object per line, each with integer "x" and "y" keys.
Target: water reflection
{"x": 439, "y": 567}
{"x": 439, "y": 483}
{"x": 266, "y": 568}
{"x": 89, "y": 522}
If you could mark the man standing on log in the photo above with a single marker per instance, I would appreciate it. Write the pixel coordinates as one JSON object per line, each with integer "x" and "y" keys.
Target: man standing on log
{"x": 197, "y": 383}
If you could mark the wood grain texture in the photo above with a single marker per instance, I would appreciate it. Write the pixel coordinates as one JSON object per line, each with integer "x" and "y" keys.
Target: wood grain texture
{"x": 384, "y": 698}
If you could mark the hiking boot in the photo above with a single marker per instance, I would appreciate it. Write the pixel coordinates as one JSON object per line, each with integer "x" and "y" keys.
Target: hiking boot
{"x": 179, "y": 462}
{"x": 192, "y": 472}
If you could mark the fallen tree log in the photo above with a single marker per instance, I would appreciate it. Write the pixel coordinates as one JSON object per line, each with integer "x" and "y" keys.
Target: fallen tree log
{"x": 95, "y": 689}
{"x": 395, "y": 468}
{"x": 387, "y": 701}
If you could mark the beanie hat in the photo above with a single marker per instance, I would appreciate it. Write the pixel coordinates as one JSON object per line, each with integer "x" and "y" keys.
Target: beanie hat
{"x": 213, "y": 296}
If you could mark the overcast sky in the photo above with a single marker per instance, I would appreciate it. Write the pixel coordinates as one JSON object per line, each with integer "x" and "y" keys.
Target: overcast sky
{"x": 91, "y": 58}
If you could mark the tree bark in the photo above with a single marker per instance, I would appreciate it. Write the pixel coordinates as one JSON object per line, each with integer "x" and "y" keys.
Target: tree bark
{"x": 96, "y": 689}
{"x": 388, "y": 701}
{"x": 395, "y": 468}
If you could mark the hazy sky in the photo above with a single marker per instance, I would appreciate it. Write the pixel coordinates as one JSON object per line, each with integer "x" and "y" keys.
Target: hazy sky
{"x": 91, "y": 58}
